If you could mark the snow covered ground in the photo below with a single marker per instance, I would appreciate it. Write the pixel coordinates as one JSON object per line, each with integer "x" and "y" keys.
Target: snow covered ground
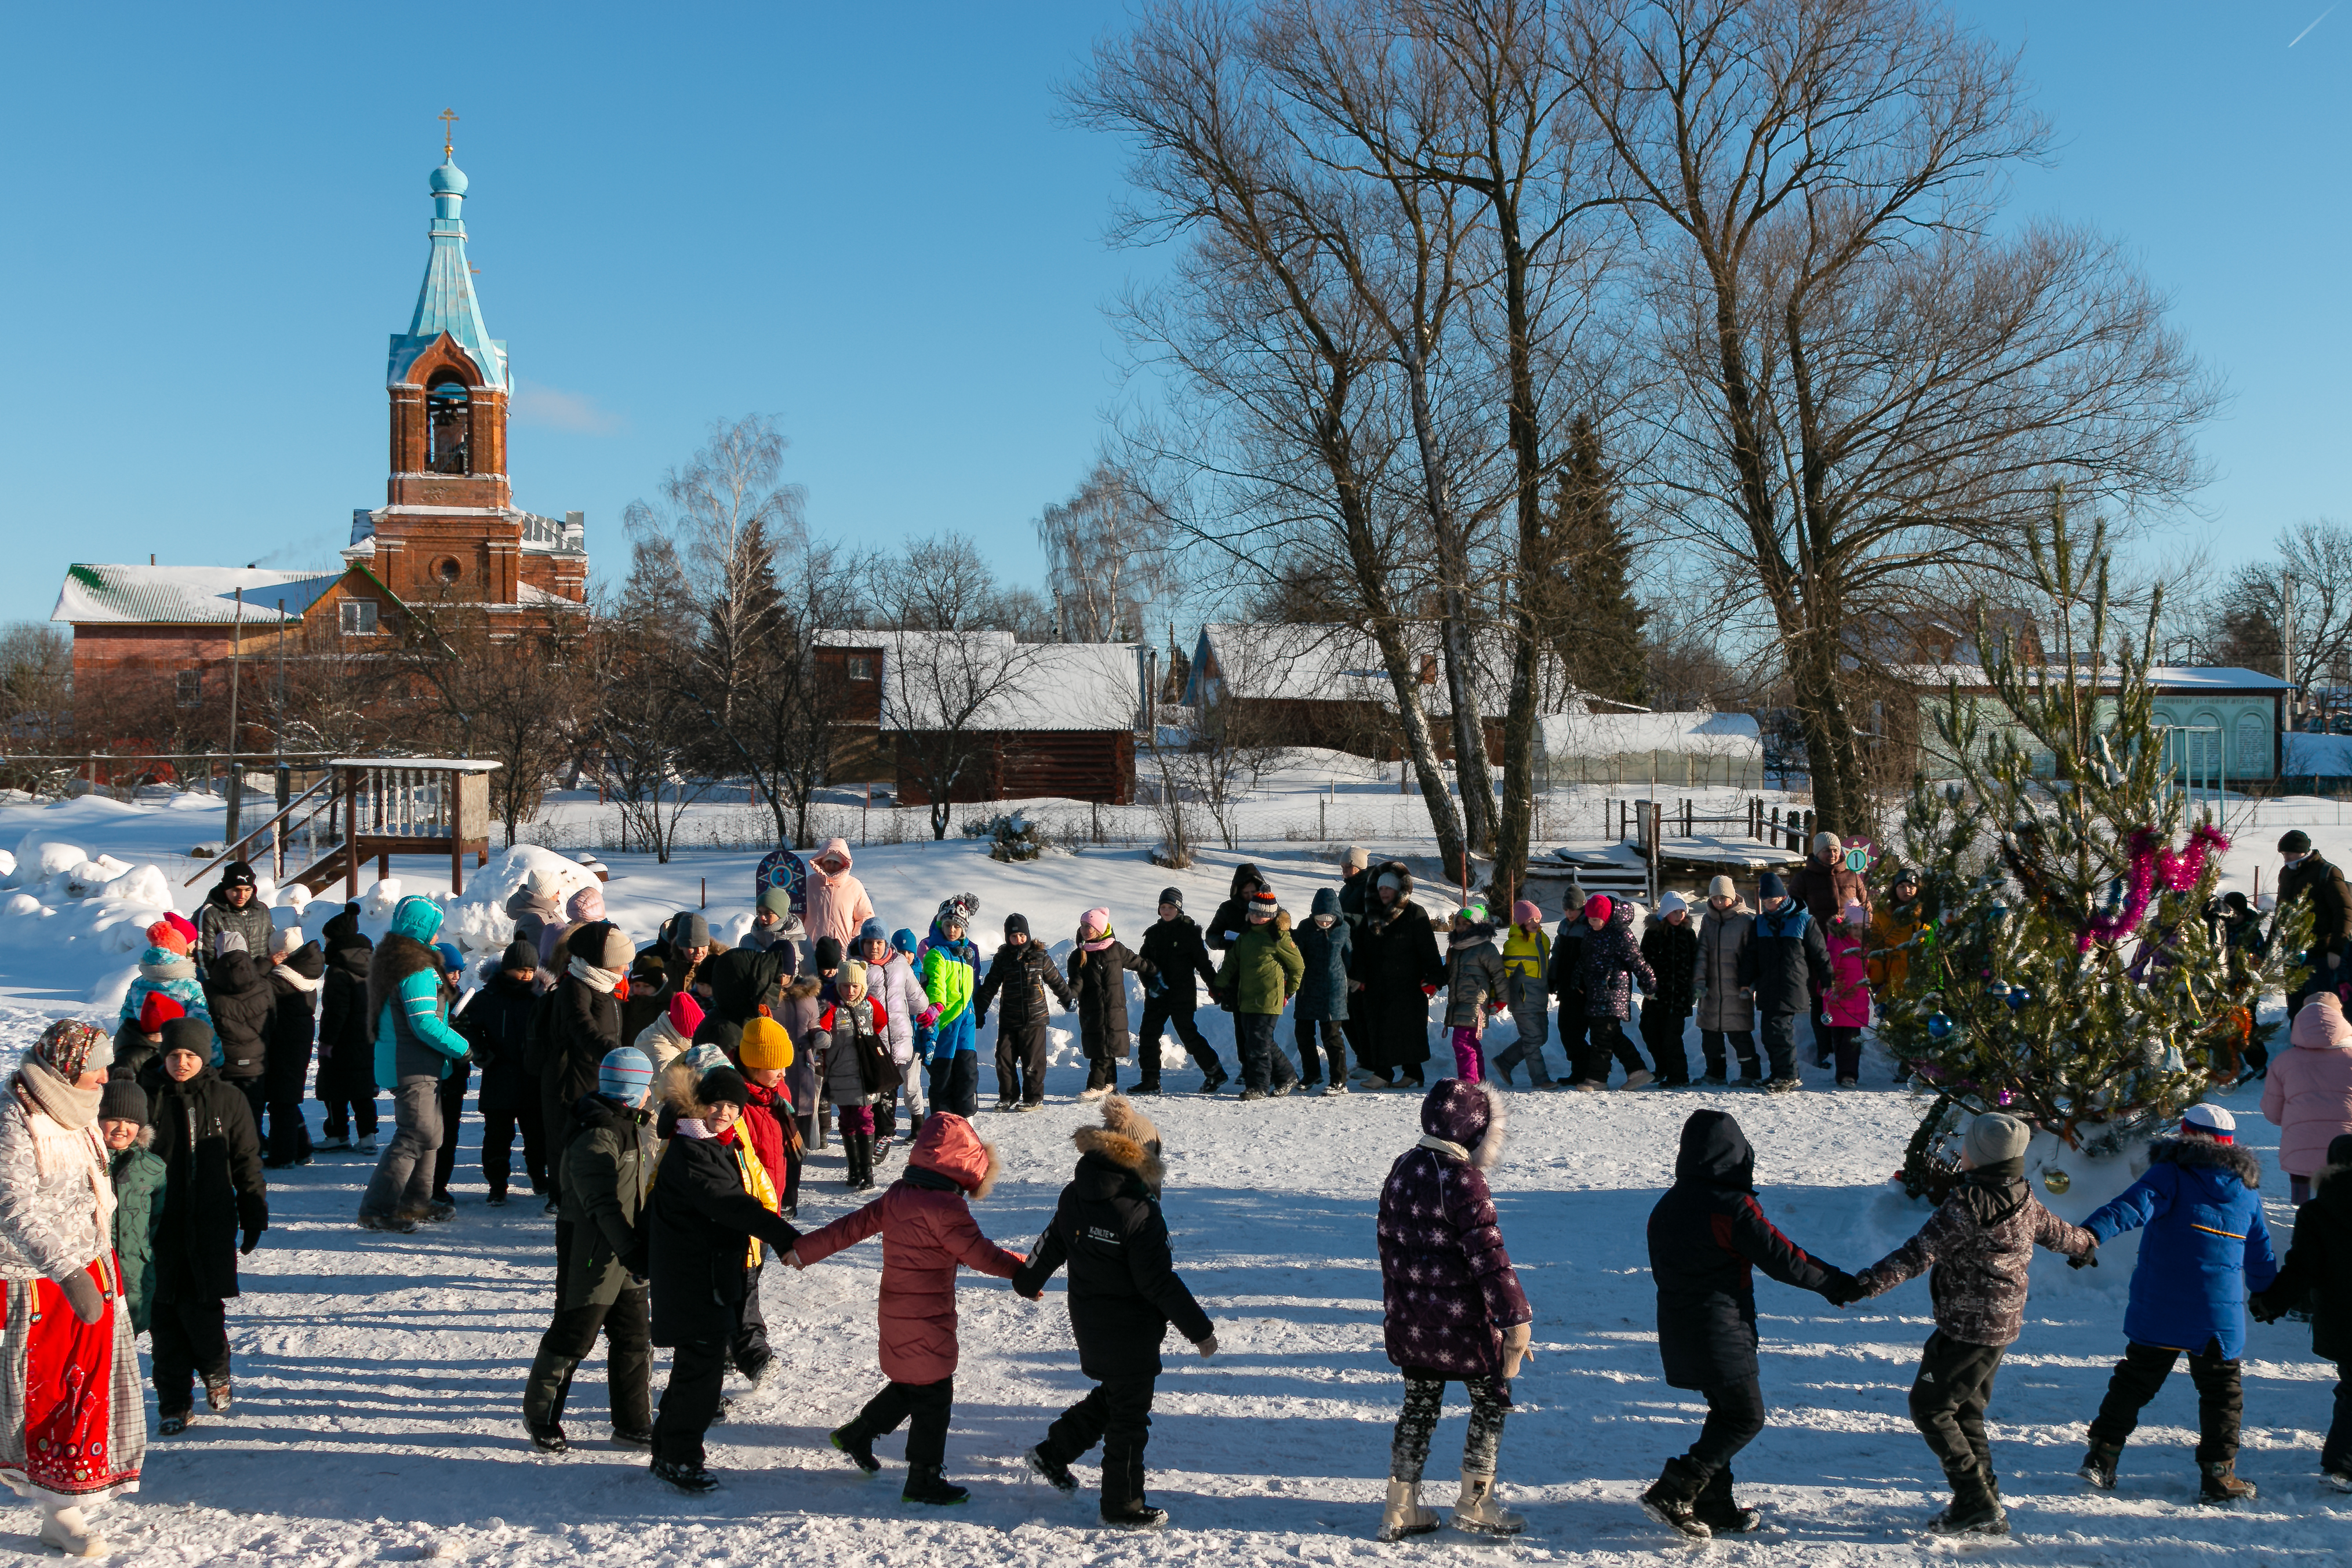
{"x": 380, "y": 1377}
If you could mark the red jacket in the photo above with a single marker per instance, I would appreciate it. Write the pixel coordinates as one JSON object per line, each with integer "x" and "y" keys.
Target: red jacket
{"x": 926, "y": 1230}
{"x": 762, "y": 1122}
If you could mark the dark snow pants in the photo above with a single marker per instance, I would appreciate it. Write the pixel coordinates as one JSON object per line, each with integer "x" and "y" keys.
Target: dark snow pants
{"x": 1335, "y": 1050}
{"x": 1253, "y": 1043}
{"x": 2221, "y": 1400}
{"x": 1742, "y": 1046}
{"x": 289, "y": 1135}
{"x": 1118, "y": 1414}
{"x": 1735, "y": 1416}
{"x": 498, "y": 1128}
{"x": 955, "y": 1084}
{"x": 571, "y": 1336}
{"x": 190, "y": 1339}
{"x": 1178, "y": 1016}
{"x": 453, "y": 1107}
{"x": 749, "y": 1349}
{"x": 1020, "y": 1062}
{"x": 1662, "y": 1032}
{"x": 1948, "y": 1399}
{"x": 1605, "y": 1037}
{"x": 698, "y": 1370}
{"x": 929, "y": 1404}
{"x": 1780, "y": 1044}
{"x": 1424, "y": 1402}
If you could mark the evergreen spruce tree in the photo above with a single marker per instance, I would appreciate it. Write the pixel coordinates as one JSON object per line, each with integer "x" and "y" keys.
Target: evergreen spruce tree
{"x": 1599, "y": 625}
{"x": 2067, "y": 972}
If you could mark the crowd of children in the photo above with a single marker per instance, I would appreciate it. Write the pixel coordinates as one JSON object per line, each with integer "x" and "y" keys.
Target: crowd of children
{"x": 708, "y": 1066}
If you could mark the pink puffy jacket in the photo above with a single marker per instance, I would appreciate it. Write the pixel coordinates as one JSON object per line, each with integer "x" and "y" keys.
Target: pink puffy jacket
{"x": 837, "y": 905}
{"x": 1846, "y": 1002}
{"x": 2308, "y": 1093}
{"x": 926, "y": 1233}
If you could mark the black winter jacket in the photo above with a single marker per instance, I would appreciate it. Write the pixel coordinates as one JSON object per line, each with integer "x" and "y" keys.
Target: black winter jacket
{"x": 1396, "y": 955}
{"x": 1706, "y": 1235}
{"x": 1567, "y": 963}
{"x": 293, "y": 1025}
{"x": 1673, "y": 954}
{"x": 214, "y": 916}
{"x": 346, "y": 1057}
{"x": 1176, "y": 952}
{"x": 2319, "y": 1264}
{"x": 1100, "y": 981}
{"x": 2331, "y": 902}
{"x": 205, "y": 1137}
{"x": 576, "y": 1027}
{"x": 1786, "y": 960}
{"x": 238, "y": 994}
{"x": 1610, "y": 964}
{"x": 1231, "y": 918}
{"x": 697, "y": 1222}
{"x": 1019, "y": 978}
{"x": 1124, "y": 1289}
{"x": 497, "y": 1028}
{"x": 744, "y": 980}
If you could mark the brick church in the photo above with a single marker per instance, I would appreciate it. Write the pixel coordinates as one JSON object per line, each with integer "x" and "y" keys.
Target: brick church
{"x": 448, "y": 533}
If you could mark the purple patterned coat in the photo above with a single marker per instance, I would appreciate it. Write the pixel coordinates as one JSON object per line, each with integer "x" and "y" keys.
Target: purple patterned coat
{"x": 1447, "y": 1285}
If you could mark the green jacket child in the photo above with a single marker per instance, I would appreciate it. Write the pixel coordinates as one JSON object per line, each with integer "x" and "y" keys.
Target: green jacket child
{"x": 1262, "y": 967}
{"x": 139, "y": 1172}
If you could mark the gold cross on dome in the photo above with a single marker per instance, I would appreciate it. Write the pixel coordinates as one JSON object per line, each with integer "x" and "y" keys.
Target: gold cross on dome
{"x": 448, "y": 118}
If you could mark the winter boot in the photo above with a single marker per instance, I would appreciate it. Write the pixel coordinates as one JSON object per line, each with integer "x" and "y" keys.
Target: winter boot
{"x": 547, "y": 1438}
{"x": 64, "y": 1530}
{"x": 1404, "y": 1515}
{"x": 1134, "y": 1513}
{"x": 1671, "y": 1499}
{"x": 1720, "y": 1512}
{"x": 857, "y": 1446}
{"x": 1974, "y": 1511}
{"x": 1056, "y": 1473}
{"x": 1478, "y": 1510}
{"x": 398, "y": 1223}
{"x": 926, "y": 1484}
{"x": 545, "y": 1388}
{"x": 2099, "y": 1465}
{"x": 865, "y": 1161}
{"x": 171, "y": 1423}
{"x": 216, "y": 1393}
{"x": 686, "y": 1476}
{"x": 2221, "y": 1486}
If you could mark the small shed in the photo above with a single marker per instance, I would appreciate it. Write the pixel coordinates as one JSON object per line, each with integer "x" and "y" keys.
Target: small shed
{"x": 1686, "y": 750}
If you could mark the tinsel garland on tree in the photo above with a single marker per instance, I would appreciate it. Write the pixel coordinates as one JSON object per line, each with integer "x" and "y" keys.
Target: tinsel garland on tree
{"x": 2065, "y": 971}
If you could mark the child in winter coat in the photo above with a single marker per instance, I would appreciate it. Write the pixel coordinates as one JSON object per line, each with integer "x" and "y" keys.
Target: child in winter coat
{"x": 138, "y": 1042}
{"x": 165, "y": 969}
{"x": 346, "y": 1080}
{"x": 890, "y": 981}
{"x": 1670, "y": 946}
{"x": 2308, "y": 1093}
{"x": 711, "y": 1212}
{"x": 1261, "y": 971}
{"x": 497, "y": 1027}
{"x": 1845, "y": 1000}
{"x": 670, "y": 1035}
{"x": 1452, "y": 1310}
{"x": 2318, "y": 1273}
{"x": 1727, "y": 1013}
{"x": 1124, "y": 1292}
{"x": 601, "y": 1258}
{"x": 1098, "y": 968}
{"x": 139, "y": 1175}
{"x": 1475, "y": 981}
{"x": 1526, "y": 960}
{"x": 1980, "y": 1245}
{"x": 1176, "y": 952}
{"x": 927, "y": 1231}
{"x": 1783, "y": 964}
{"x": 214, "y": 1207}
{"x": 1708, "y": 1237}
{"x": 1608, "y": 965}
{"x": 2206, "y": 1242}
{"x": 297, "y": 972}
{"x": 414, "y": 1050}
{"x": 764, "y": 1052}
{"x": 949, "y": 964}
{"x": 855, "y": 1061}
{"x": 1327, "y": 947}
{"x": 1561, "y": 977}
{"x": 1020, "y": 979}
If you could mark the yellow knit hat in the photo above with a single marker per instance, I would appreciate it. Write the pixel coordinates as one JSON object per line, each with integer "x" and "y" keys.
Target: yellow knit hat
{"x": 765, "y": 1045}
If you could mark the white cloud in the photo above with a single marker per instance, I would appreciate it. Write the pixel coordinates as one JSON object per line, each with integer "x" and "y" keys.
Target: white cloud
{"x": 556, "y": 410}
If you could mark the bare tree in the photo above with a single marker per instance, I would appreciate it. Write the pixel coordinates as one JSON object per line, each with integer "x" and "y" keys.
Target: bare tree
{"x": 2308, "y": 586}
{"x": 644, "y": 736}
{"x": 1107, "y": 556}
{"x": 35, "y": 684}
{"x": 1869, "y": 394}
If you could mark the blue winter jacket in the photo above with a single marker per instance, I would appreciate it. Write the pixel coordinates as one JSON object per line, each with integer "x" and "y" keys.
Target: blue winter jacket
{"x": 1329, "y": 952}
{"x": 2206, "y": 1244}
{"x": 411, "y": 1036}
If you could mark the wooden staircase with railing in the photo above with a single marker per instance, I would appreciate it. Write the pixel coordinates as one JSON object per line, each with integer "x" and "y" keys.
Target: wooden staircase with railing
{"x": 373, "y": 807}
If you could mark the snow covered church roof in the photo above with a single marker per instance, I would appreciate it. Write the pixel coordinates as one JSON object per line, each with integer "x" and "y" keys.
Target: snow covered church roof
{"x": 186, "y": 595}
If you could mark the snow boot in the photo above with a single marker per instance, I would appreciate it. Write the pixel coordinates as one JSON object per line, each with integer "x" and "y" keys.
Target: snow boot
{"x": 1720, "y": 1512}
{"x": 2341, "y": 1479}
{"x": 1671, "y": 1499}
{"x": 1975, "y": 1510}
{"x": 632, "y": 1437}
{"x": 547, "y": 1439}
{"x": 857, "y": 1446}
{"x": 1133, "y": 1514}
{"x": 2221, "y": 1488}
{"x": 171, "y": 1423}
{"x": 2099, "y": 1465}
{"x": 1404, "y": 1515}
{"x": 1213, "y": 1082}
{"x": 691, "y": 1478}
{"x": 400, "y": 1224}
{"x": 1477, "y": 1511}
{"x": 64, "y": 1530}
{"x": 926, "y": 1484}
{"x": 440, "y": 1211}
{"x": 366, "y": 1144}
{"x": 1056, "y": 1473}
{"x": 1640, "y": 1078}
{"x": 216, "y": 1395}
{"x": 1789, "y": 1085}
{"x": 497, "y": 1199}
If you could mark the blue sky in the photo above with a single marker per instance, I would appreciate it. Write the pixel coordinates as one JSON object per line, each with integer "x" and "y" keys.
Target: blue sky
{"x": 865, "y": 221}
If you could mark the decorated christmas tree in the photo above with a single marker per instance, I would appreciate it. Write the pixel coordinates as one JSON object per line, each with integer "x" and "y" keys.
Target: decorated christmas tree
{"x": 2067, "y": 971}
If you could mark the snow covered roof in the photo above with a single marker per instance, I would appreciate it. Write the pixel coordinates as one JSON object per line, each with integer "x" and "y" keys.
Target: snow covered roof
{"x": 990, "y": 681}
{"x": 185, "y": 595}
{"x": 2163, "y": 677}
{"x": 1279, "y": 662}
{"x": 1617, "y": 733}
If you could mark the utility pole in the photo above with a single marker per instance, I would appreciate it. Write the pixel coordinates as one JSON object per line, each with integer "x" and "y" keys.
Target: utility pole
{"x": 2287, "y": 633}
{"x": 235, "y": 777}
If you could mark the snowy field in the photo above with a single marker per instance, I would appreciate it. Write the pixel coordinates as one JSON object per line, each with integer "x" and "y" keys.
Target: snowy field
{"x": 380, "y": 1377}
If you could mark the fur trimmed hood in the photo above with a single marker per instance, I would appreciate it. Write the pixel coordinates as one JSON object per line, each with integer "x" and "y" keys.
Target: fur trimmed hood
{"x": 1127, "y": 1139}
{"x": 2195, "y": 1154}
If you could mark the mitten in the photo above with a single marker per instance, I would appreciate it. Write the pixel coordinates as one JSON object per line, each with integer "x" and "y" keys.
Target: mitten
{"x": 2085, "y": 1261}
{"x": 928, "y": 1016}
{"x": 1427, "y": 989}
{"x": 252, "y": 1240}
{"x": 1207, "y": 1347}
{"x": 1515, "y": 1348}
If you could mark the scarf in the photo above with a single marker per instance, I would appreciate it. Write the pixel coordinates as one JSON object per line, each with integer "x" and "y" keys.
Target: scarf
{"x": 63, "y": 1120}
{"x": 1098, "y": 943}
{"x": 1994, "y": 1192}
{"x": 1450, "y": 1150}
{"x": 299, "y": 982}
{"x": 70, "y": 1108}
{"x": 161, "y": 964}
{"x": 603, "y": 980}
